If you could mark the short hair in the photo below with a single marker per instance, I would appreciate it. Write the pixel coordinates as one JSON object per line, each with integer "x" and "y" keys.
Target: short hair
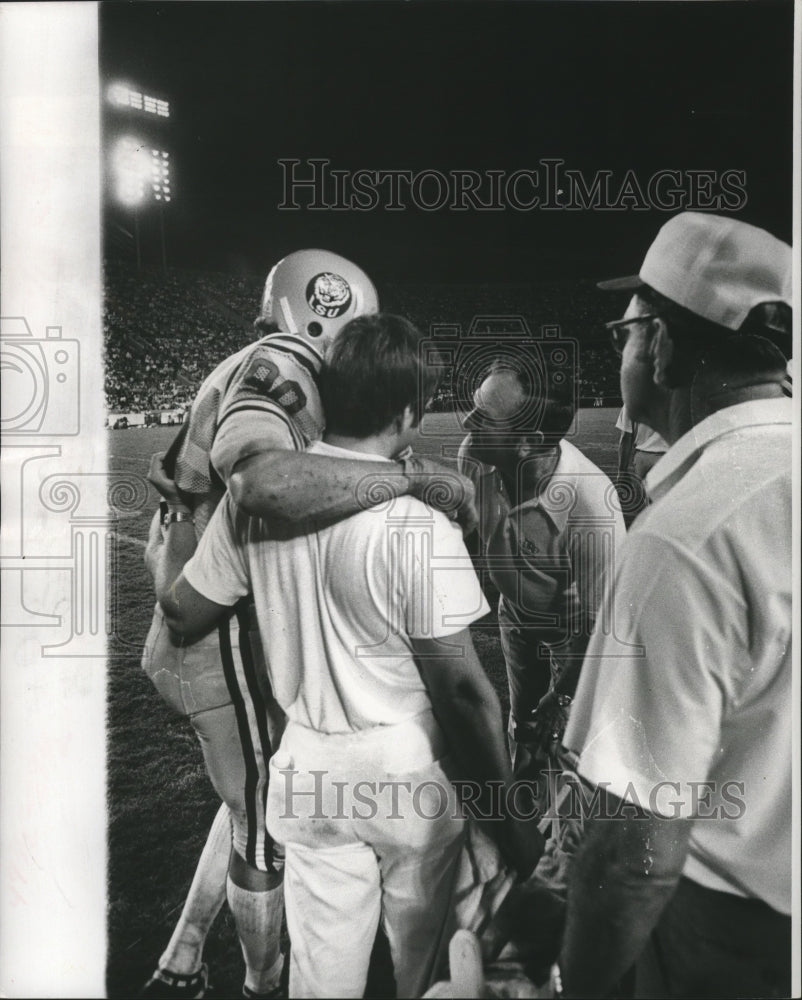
{"x": 760, "y": 346}
{"x": 264, "y": 327}
{"x": 372, "y": 374}
{"x": 556, "y": 407}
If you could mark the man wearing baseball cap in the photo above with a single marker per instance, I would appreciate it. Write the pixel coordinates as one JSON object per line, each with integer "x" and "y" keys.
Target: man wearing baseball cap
{"x": 686, "y": 742}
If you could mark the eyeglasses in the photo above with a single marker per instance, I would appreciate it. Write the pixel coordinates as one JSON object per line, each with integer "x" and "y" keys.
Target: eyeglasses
{"x": 618, "y": 331}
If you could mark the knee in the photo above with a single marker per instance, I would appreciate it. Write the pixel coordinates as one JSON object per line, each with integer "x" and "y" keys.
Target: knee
{"x": 250, "y": 877}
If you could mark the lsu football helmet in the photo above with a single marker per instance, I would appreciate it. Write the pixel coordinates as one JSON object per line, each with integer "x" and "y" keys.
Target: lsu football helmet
{"x": 314, "y": 293}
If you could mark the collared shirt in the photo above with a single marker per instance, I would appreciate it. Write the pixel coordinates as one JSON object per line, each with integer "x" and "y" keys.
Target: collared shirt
{"x": 551, "y": 555}
{"x": 694, "y": 718}
{"x": 337, "y": 608}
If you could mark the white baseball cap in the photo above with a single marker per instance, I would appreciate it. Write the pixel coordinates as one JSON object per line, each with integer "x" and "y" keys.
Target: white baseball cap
{"x": 717, "y": 267}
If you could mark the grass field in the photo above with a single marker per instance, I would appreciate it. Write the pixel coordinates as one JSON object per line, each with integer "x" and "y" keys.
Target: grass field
{"x": 160, "y": 801}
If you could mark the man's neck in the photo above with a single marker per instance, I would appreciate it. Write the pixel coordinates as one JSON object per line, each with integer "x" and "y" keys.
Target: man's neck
{"x": 527, "y": 477}
{"x": 690, "y": 406}
{"x": 377, "y": 444}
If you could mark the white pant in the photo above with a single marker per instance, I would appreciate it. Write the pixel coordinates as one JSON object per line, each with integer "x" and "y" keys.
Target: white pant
{"x": 372, "y": 830}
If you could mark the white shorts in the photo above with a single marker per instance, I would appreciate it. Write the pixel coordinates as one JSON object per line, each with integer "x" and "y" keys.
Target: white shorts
{"x": 220, "y": 683}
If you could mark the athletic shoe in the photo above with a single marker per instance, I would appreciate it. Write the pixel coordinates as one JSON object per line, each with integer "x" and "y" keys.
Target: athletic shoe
{"x": 277, "y": 993}
{"x": 166, "y": 985}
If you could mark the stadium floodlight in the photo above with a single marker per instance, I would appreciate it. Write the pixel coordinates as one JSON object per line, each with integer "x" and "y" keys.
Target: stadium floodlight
{"x": 124, "y": 96}
{"x": 131, "y": 168}
{"x": 117, "y": 93}
{"x": 160, "y": 175}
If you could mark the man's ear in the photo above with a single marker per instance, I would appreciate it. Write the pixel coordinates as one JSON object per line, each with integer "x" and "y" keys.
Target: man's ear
{"x": 661, "y": 350}
{"x": 529, "y": 443}
{"x": 407, "y": 420}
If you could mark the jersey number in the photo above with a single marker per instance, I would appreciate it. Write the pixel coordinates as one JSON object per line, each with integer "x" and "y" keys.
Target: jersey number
{"x": 287, "y": 393}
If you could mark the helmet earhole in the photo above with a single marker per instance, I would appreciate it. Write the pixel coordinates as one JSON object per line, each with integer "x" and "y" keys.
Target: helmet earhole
{"x": 314, "y": 329}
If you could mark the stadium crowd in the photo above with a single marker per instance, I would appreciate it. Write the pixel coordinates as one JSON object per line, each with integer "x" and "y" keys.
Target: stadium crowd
{"x": 151, "y": 317}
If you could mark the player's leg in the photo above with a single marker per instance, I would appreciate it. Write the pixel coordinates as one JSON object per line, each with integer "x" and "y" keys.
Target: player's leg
{"x": 236, "y": 747}
{"x": 253, "y": 883}
{"x": 418, "y": 858}
{"x": 331, "y": 880}
{"x": 333, "y": 901}
{"x": 256, "y": 901}
{"x": 205, "y": 898}
{"x": 220, "y": 683}
{"x": 180, "y": 972}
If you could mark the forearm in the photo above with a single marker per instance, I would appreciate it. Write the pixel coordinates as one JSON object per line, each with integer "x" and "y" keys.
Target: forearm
{"x": 290, "y": 486}
{"x": 471, "y": 720}
{"x": 179, "y": 546}
{"x": 473, "y": 726}
{"x": 619, "y": 886}
{"x": 468, "y": 710}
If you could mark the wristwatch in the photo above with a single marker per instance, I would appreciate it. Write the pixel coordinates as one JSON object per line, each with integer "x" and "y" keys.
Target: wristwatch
{"x": 564, "y": 700}
{"x": 172, "y": 516}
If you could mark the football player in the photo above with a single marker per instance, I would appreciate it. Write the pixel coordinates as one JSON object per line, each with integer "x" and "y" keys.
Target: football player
{"x": 247, "y": 429}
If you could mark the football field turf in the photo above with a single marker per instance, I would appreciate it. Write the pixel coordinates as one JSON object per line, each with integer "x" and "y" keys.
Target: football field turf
{"x": 160, "y": 802}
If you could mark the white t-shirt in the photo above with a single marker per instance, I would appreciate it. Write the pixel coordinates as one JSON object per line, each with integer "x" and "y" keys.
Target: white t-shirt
{"x": 337, "y": 608}
{"x": 645, "y": 438}
{"x": 703, "y": 594}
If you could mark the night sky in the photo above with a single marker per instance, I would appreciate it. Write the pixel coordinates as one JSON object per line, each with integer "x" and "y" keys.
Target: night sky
{"x": 480, "y": 86}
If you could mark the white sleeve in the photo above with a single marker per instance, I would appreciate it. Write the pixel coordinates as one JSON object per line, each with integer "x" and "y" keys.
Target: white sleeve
{"x": 249, "y": 431}
{"x": 218, "y": 568}
{"x": 441, "y": 590}
{"x": 623, "y": 423}
{"x": 656, "y": 678}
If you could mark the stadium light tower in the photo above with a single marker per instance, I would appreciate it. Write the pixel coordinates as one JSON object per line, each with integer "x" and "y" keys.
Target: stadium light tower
{"x": 130, "y": 169}
{"x": 141, "y": 171}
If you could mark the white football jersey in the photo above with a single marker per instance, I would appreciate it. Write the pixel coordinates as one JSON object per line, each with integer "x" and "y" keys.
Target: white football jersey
{"x": 277, "y": 378}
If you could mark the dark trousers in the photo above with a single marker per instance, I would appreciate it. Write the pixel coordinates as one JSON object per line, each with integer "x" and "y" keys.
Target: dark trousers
{"x": 528, "y": 677}
{"x": 715, "y": 944}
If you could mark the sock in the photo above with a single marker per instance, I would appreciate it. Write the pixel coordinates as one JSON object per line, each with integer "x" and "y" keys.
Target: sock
{"x": 258, "y": 918}
{"x": 206, "y": 895}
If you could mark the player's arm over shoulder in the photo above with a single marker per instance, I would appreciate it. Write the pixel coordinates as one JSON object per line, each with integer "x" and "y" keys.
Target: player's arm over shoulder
{"x": 294, "y": 486}
{"x": 259, "y": 453}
